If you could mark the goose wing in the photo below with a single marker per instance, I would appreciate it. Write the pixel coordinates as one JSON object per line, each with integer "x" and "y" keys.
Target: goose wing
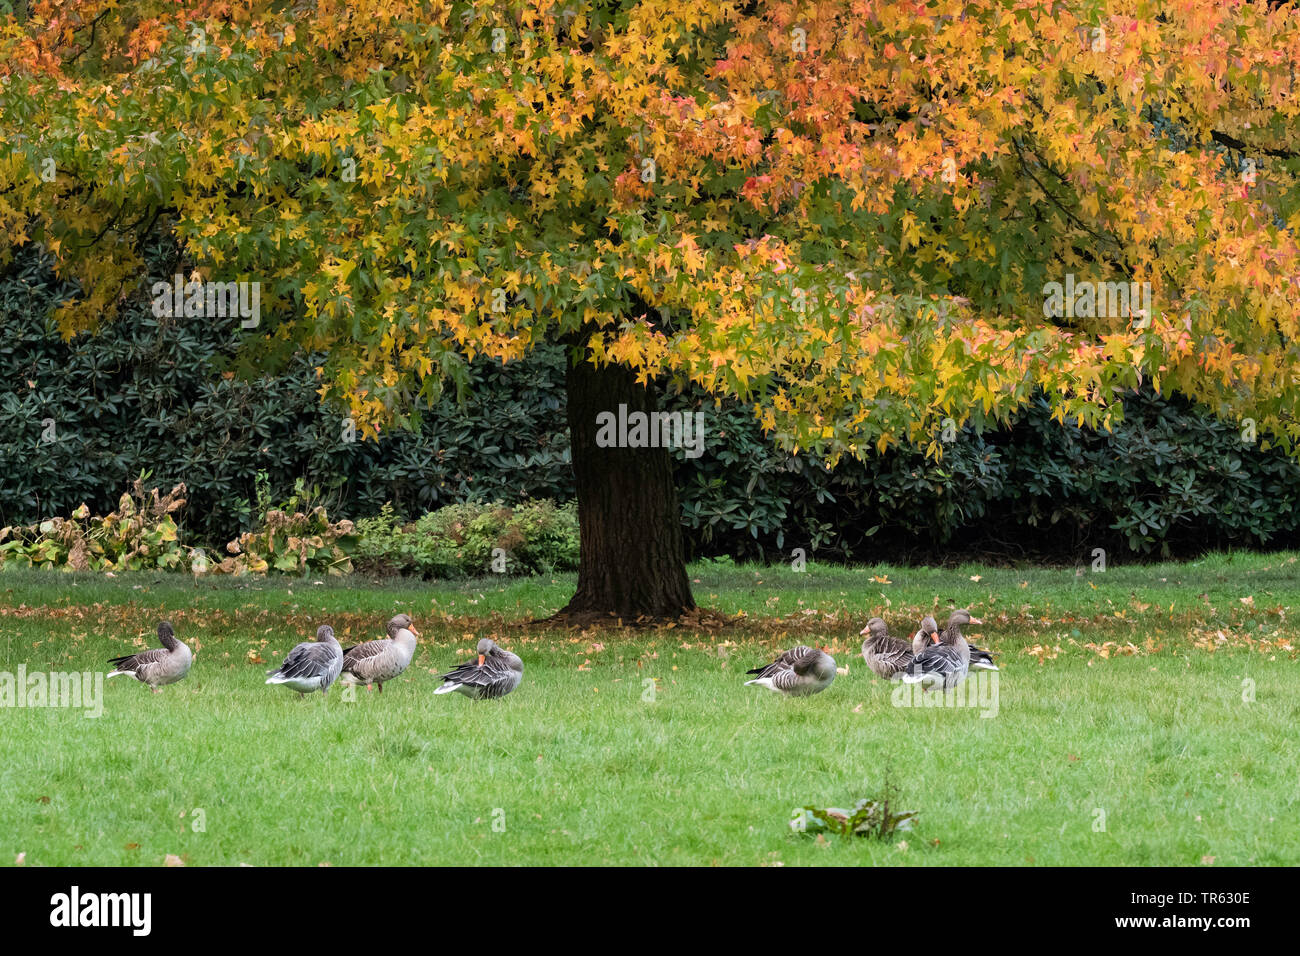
{"x": 797, "y": 659}
{"x": 494, "y": 678}
{"x": 938, "y": 659}
{"x": 132, "y": 663}
{"x": 362, "y": 652}
{"x": 307, "y": 660}
{"x": 895, "y": 652}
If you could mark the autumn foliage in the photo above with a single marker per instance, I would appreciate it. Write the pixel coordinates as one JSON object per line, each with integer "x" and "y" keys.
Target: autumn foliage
{"x": 844, "y": 213}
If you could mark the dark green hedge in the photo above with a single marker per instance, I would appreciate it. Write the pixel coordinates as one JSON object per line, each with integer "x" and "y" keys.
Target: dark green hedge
{"x": 149, "y": 394}
{"x": 1171, "y": 480}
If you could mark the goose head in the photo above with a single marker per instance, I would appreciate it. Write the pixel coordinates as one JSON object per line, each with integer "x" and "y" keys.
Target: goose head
{"x": 876, "y": 628}
{"x": 401, "y": 622}
{"x": 166, "y": 636}
{"x": 959, "y": 619}
{"x": 930, "y": 628}
{"x": 485, "y": 647}
{"x": 324, "y": 633}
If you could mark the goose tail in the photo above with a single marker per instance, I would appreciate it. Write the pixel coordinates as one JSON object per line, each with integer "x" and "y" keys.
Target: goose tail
{"x": 447, "y": 688}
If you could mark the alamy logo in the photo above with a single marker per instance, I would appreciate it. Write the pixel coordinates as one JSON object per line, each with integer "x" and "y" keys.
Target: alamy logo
{"x": 75, "y": 908}
{"x": 979, "y": 692}
{"x": 83, "y": 689}
{"x": 683, "y": 430}
{"x": 213, "y": 300}
{"x": 1097, "y": 300}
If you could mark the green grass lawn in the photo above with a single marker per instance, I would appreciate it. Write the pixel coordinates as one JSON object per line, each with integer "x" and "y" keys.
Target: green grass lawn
{"x": 1121, "y": 700}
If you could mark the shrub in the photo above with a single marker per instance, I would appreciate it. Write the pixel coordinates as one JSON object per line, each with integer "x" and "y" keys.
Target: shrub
{"x": 140, "y": 535}
{"x": 462, "y": 540}
{"x": 299, "y": 542}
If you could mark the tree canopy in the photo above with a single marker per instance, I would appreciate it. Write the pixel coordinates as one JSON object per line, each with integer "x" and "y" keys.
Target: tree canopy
{"x": 845, "y": 213}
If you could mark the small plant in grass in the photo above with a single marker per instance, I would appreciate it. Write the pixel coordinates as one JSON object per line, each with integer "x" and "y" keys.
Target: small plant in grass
{"x": 879, "y": 818}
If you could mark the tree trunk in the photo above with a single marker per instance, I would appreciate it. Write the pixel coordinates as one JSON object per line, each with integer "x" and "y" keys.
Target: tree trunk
{"x": 631, "y": 563}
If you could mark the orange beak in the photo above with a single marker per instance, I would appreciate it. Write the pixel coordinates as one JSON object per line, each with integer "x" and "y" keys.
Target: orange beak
{"x": 481, "y": 658}
{"x": 934, "y": 637}
{"x": 413, "y": 630}
{"x": 976, "y": 620}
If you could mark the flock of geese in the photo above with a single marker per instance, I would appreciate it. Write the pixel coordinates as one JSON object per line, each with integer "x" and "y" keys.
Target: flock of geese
{"x": 933, "y": 659}
{"x": 315, "y": 665}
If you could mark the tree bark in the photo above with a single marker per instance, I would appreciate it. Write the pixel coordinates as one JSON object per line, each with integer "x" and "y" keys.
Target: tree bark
{"x": 631, "y": 562}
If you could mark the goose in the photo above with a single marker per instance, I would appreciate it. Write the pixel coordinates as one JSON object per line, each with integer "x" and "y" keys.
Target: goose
{"x": 311, "y": 665}
{"x": 947, "y": 663}
{"x": 384, "y": 659}
{"x": 158, "y": 666}
{"x": 929, "y": 633}
{"x": 496, "y": 673}
{"x": 980, "y": 659}
{"x": 887, "y": 656}
{"x": 798, "y": 672}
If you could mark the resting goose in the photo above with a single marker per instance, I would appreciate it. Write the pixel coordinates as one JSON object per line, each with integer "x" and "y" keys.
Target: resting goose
{"x": 798, "y": 672}
{"x": 496, "y": 673}
{"x": 311, "y": 665}
{"x": 887, "y": 656}
{"x": 929, "y": 633}
{"x": 980, "y": 659}
{"x": 373, "y": 662}
{"x": 158, "y": 666}
{"x": 944, "y": 664}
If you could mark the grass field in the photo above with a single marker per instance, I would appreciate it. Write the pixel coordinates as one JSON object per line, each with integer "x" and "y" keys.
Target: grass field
{"x": 1160, "y": 701}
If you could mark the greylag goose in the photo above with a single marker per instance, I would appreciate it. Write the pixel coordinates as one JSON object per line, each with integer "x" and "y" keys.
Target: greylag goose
{"x": 944, "y": 664}
{"x": 158, "y": 666}
{"x": 798, "y": 672}
{"x": 373, "y": 662}
{"x": 980, "y": 659}
{"x": 496, "y": 673}
{"x": 311, "y": 665}
{"x": 929, "y": 633}
{"x": 887, "y": 656}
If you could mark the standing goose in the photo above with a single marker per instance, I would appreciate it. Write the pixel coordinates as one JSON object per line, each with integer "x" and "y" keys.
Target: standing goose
{"x": 887, "y": 656}
{"x": 496, "y": 673}
{"x": 944, "y": 664}
{"x": 159, "y": 666}
{"x": 311, "y": 665}
{"x": 373, "y": 662}
{"x": 798, "y": 672}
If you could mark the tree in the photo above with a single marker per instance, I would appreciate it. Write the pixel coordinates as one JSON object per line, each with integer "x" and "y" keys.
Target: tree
{"x": 872, "y": 221}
